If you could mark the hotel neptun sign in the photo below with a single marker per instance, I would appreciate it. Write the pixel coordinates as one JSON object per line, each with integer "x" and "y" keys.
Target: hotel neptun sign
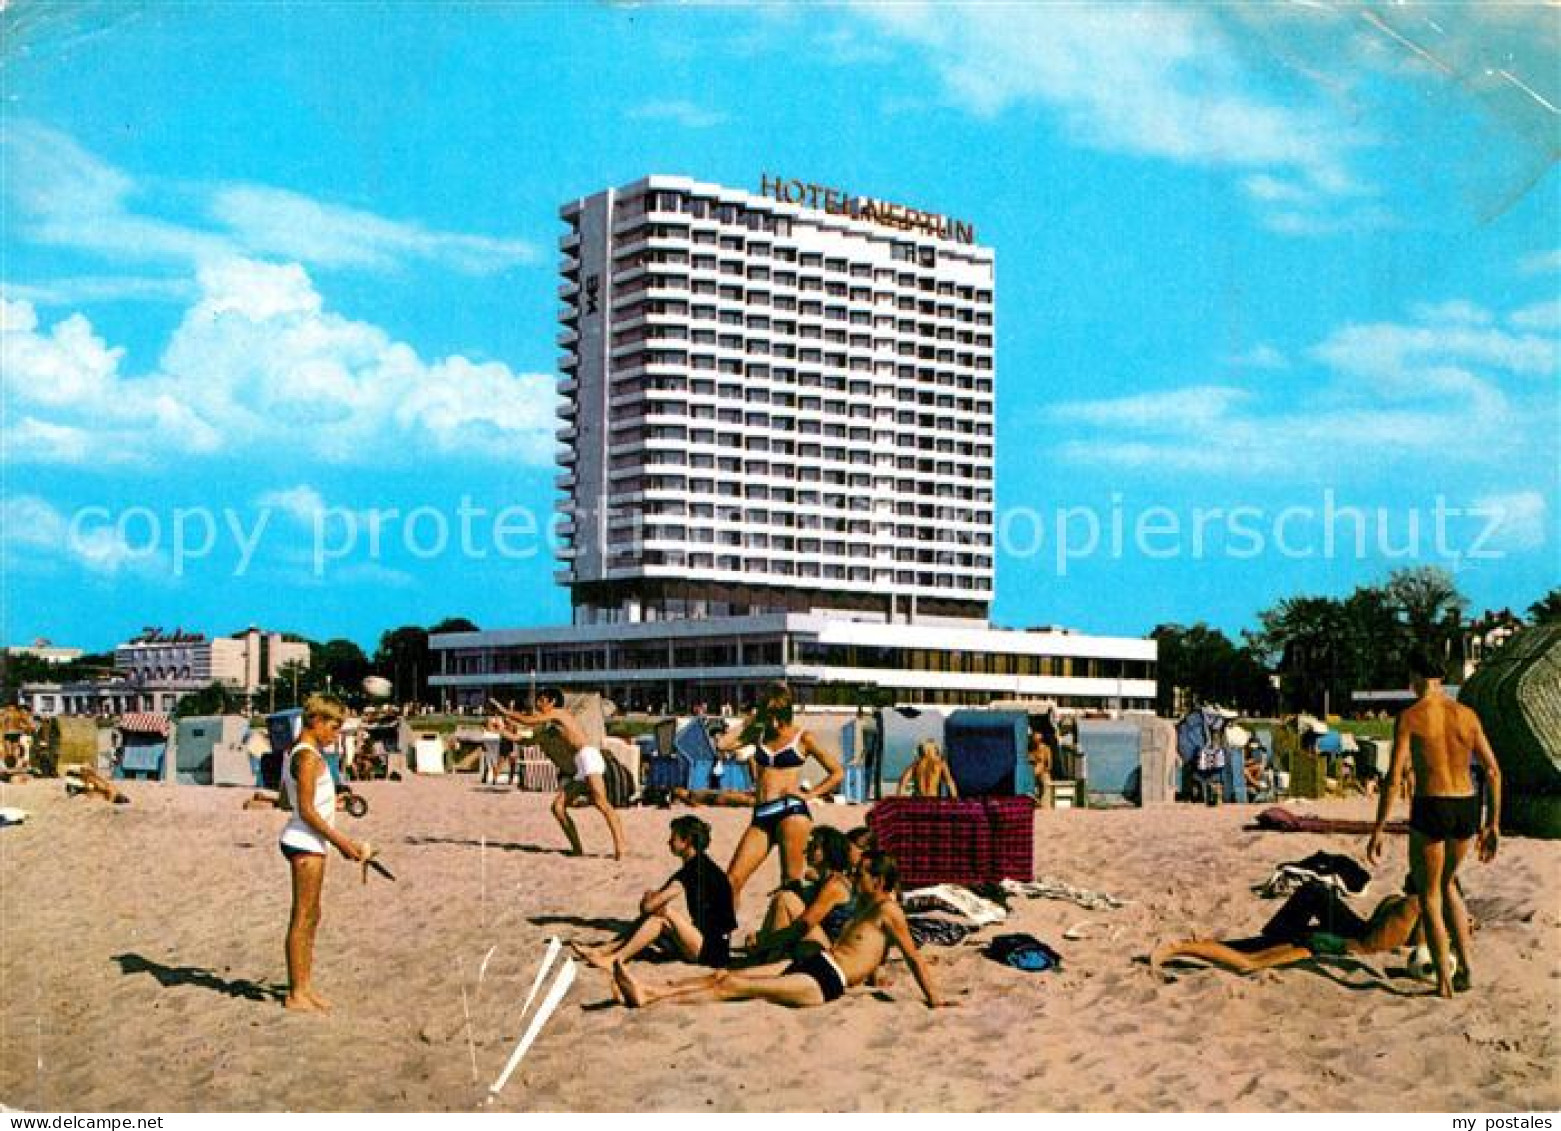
{"x": 838, "y": 202}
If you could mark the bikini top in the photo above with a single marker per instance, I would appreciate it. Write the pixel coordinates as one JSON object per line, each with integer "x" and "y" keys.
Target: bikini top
{"x": 788, "y": 757}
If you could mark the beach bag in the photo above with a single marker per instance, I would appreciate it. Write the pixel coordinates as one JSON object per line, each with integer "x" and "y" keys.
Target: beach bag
{"x": 1023, "y": 952}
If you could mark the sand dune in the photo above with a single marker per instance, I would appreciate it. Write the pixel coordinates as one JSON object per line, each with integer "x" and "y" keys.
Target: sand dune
{"x": 141, "y": 959}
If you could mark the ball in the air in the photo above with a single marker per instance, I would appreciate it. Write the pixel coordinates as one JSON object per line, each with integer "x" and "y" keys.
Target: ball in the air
{"x": 376, "y": 687}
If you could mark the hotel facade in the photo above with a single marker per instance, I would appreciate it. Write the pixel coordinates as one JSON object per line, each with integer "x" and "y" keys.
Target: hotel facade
{"x": 776, "y": 462}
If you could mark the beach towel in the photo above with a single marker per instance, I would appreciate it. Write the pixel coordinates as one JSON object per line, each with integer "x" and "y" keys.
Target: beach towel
{"x": 956, "y": 900}
{"x": 969, "y": 841}
{"x": 1278, "y": 819}
{"x": 933, "y": 930}
{"x": 1048, "y": 888}
{"x": 1023, "y": 952}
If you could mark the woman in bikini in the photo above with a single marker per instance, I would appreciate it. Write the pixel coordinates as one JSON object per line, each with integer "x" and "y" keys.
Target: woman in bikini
{"x": 780, "y": 811}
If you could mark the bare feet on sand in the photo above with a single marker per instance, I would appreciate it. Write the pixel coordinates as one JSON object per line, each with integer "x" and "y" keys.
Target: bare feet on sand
{"x": 592, "y": 956}
{"x": 308, "y": 1002}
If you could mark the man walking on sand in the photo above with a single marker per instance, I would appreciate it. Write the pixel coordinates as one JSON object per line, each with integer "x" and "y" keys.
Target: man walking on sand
{"x": 590, "y": 767}
{"x": 1444, "y": 816}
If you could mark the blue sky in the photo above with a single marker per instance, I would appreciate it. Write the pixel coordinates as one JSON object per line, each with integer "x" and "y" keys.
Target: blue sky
{"x": 268, "y": 270}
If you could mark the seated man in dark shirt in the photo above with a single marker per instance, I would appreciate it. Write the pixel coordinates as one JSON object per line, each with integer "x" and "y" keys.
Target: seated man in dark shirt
{"x": 704, "y": 933}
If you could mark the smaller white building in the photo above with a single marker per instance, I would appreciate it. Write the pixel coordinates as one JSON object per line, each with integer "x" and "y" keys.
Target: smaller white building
{"x": 156, "y": 669}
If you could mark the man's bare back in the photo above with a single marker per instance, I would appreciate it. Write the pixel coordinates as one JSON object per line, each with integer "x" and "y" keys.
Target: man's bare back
{"x": 1442, "y": 737}
{"x": 569, "y": 727}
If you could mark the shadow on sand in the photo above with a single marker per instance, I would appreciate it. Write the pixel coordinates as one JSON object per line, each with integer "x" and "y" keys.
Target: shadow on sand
{"x": 196, "y": 976}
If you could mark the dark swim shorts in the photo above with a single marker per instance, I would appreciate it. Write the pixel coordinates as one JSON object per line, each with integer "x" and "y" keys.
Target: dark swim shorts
{"x": 1445, "y": 818}
{"x": 822, "y": 969}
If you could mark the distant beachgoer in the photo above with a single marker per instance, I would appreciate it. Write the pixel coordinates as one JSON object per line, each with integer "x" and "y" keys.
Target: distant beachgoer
{"x": 822, "y": 977}
{"x": 1255, "y": 767}
{"x": 93, "y": 784}
{"x": 309, "y": 831}
{"x": 702, "y": 934}
{"x": 928, "y": 774}
{"x": 780, "y": 812}
{"x": 1314, "y": 922}
{"x": 1441, "y": 737}
{"x": 1039, "y": 756}
{"x": 796, "y": 918}
{"x": 590, "y": 768}
{"x": 715, "y": 798}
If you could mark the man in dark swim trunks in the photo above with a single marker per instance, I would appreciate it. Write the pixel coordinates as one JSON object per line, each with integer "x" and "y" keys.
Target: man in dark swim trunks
{"x": 824, "y": 975}
{"x": 1440, "y": 736}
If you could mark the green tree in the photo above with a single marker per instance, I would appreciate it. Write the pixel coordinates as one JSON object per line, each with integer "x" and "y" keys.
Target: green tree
{"x": 403, "y": 658}
{"x": 213, "y": 699}
{"x": 1431, "y": 610}
{"x": 1546, "y": 610}
{"x": 1199, "y": 664}
{"x": 341, "y": 663}
{"x": 1304, "y": 639}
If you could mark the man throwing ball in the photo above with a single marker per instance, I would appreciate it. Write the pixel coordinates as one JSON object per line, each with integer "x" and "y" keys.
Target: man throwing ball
{"x": 590, "y": 767}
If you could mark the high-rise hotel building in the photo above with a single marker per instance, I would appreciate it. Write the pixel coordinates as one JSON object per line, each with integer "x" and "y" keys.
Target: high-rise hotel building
{"x": 772, "y": 408}
{"x": 776, "y": 455}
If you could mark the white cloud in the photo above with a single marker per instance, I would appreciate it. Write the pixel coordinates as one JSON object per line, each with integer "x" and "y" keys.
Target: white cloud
{"x": 1522, "y": 519}
{"x": 1458, "y": 311}
{"x": 302, "y": 503}
{"x": 681, "y": 111}
{"x": 1261, "y": 356}
{"x": 1150, "y": 80}
{"x": 85, "y": 289}
{"x": 66, "y": 196}
{"x": 36, "y": 530}
{"x": 1541, "y": 262}
{"x": 1175, "y": 411}
{"x": 260, "y": 366}
{"x": 271, "y": 221}
{"x": 1454, "y": 391}
{"x": 1539, "y": 316}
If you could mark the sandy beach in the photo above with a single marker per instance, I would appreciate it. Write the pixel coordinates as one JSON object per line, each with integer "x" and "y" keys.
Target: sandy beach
{"x": 141, "y": 963}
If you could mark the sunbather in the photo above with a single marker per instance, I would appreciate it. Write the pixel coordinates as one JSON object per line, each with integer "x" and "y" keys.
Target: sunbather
{"x": 824, "y": 976}
{"x": 796, "y": 917}
{"x": 703, "y": 933}
{"x": 1314, "y": 922}
{"x": 86, "y": 780}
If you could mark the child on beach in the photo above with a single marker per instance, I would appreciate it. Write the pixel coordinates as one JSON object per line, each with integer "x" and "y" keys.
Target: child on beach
{"x": 304, "y": 840}
{"x": 703, "y": 934}
{"x": 590, "y": 768}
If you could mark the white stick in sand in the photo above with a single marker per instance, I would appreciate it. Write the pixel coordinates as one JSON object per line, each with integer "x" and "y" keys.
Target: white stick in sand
{"x": 471, "y": 1045}
{"x": 555, "y": 995}
{"x": 483, "y": 969}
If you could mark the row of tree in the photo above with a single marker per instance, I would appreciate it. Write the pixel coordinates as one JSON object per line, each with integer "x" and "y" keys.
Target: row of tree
{"x": 1312, "y": 653}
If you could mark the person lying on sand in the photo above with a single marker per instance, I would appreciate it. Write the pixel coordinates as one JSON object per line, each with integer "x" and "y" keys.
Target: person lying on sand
{"x": 702, "y": 934}
{"x": 716, "y": 798}
{"x": 821, "y": 977}
{"x": 93, "y": 783}
{"x": 1314, "y": 923}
